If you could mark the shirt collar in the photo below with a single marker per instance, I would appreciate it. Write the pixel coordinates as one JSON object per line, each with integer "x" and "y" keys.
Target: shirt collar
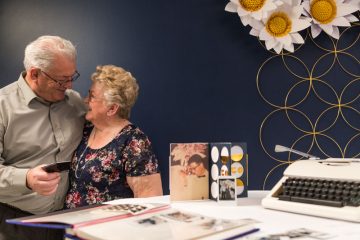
{"x": 28, "y": 93}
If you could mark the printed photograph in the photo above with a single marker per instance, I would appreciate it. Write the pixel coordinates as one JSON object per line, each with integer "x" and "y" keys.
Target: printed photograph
{"x": 299, "y": 233}
{"x": 227, "y": 188}
{"x": 181, "y": 216}
{"x": 189, "y": 171}
{"x": 151, "y": 221}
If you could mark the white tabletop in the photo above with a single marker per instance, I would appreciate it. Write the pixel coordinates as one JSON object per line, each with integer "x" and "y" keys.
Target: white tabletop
{"x": 270, "y": 221}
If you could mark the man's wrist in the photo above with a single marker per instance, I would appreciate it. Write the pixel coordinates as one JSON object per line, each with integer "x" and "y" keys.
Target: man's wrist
{"x": 27, "y": 181}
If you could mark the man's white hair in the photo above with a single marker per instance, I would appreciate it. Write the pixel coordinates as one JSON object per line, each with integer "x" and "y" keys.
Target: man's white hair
{"x": 42, "y": 52}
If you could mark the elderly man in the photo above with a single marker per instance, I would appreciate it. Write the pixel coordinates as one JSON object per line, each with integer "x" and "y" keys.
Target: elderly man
{"x": 41, "y": 121}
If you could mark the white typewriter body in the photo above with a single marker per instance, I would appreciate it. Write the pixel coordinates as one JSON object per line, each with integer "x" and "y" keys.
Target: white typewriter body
{"x": 329, "y": 169}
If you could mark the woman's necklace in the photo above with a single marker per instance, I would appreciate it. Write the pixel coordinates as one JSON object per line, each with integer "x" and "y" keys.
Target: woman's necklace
{"x": 78, "y": 172}
{"x": 81, "y": 157}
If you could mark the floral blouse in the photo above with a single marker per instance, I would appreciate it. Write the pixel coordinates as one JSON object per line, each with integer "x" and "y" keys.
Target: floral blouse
{"x": 99, "y": 175}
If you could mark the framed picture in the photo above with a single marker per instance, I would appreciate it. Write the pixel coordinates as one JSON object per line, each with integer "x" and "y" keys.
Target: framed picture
{"x": 189, "y": 171}
{"x": 227, "y": 189}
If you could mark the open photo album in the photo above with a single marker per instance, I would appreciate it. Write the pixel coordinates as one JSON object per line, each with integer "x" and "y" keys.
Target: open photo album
{"x": 90, "y": 215}
{"x": 138, "y": 221}
{"x": 169, "y": 224}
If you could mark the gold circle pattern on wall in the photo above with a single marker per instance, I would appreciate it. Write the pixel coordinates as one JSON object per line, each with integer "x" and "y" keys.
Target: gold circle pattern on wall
{"x": 329, "y": 82}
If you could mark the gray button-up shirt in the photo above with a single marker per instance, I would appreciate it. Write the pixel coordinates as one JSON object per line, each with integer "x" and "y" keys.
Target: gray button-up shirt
{"x": 34, "y": 132}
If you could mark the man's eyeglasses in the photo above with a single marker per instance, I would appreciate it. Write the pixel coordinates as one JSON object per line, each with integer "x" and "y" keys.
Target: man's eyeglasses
{"x": 62, "y": 83}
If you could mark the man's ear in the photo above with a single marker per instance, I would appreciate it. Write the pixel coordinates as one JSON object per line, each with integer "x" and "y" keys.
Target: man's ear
{"x": 112, "y": 109}
{"x": 34, "y": 73}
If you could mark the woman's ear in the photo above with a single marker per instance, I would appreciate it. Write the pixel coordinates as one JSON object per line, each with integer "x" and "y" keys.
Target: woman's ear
{"x": 112, "y": 110}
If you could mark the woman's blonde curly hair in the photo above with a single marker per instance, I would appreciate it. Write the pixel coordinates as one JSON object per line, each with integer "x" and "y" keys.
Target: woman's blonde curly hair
{"x": 120, "y": 87}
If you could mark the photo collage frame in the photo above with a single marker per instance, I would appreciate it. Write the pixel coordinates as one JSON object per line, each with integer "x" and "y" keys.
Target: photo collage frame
{"x": 197, "y": 169}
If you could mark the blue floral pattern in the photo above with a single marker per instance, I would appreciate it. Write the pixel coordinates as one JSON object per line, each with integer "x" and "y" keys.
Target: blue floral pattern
{"x": 99, "y": 175}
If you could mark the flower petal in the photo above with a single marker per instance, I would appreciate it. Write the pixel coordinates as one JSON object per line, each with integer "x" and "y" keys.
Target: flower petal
{"x": 264, "y": 35}
{"x": 297, "y": 12}
{"x": 277, "y": 4}
{"x": 286, "y": 40}
{"x": 265, "y": 15}
{"x": 315, "y": 30}
{"x": 297, "y": 2}
{"x": 299, "y": 24}
{"x": 246, "y": 20}
{"x": 270, "y": 43}
{"x": 327, "y": 28}
{"x": 306, "y": 6}
{"x": 340, "y": 21}
{"x": 345, "y": 9}
{"x": 289, "y": 2}
{"x": 336, "y": 32}
{"x": 351, "y": 18}
{"x": 242, "y": 12}
{"x": 257, "y": 24}
{"x": 297, "y": 38}
{"x": 278, "y": 48}
{"x": 331, "y": 30}
{"x": 231, "y": 7}
{"x": 257, "y": 15}
{"x": 290, "y": 47}
{"x": 254, "y": 32}
{"x": 270, "y": 5}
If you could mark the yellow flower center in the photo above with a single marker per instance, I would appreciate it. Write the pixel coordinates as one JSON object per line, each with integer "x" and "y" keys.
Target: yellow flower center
{"x": 324, "y": 11}
{"x": 278, "y": 25}
{"x": 252, "y": 5}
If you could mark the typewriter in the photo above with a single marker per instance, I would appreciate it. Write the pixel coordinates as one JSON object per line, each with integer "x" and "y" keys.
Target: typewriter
{"x": 325, "y": 188}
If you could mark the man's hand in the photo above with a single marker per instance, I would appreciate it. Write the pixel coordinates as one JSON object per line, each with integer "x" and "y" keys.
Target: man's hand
{"x": 42, "y": 182}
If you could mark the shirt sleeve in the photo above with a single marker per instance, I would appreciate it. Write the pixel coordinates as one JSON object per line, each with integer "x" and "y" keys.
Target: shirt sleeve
{"x": 140, "y": 159}
{"x": 12, "y": 180}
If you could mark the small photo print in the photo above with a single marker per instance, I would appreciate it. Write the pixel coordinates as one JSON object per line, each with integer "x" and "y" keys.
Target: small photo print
{"x": 300, "y": 233}
{"x": 151, "y": 221}
{"x": 180, "y": 216}
{"x": 227, "y": 189}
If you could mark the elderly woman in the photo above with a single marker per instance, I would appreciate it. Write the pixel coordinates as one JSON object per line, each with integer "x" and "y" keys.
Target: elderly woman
{"x": 114, "y": 159}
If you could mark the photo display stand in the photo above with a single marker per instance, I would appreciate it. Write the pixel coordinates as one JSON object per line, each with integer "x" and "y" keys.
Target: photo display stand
{"x": 228, "y": 159}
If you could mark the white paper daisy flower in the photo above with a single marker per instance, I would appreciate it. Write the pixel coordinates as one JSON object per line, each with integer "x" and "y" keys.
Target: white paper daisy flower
{"x": 248, "y": 9}
{"x": 280, "y": 30}
{"x": 328, "y": 15}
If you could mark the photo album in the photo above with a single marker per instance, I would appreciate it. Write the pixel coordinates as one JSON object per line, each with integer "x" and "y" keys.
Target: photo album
{"x": 168, "y": 224}
{"x": 89, "y": 215}
{"x": 137, "y": 221}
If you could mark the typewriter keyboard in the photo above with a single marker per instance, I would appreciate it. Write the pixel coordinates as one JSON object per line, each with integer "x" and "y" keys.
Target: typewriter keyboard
{"x": 332, "y": 193}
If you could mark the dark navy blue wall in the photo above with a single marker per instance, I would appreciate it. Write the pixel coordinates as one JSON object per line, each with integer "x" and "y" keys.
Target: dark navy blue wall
{"x": 195, "y": 63}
